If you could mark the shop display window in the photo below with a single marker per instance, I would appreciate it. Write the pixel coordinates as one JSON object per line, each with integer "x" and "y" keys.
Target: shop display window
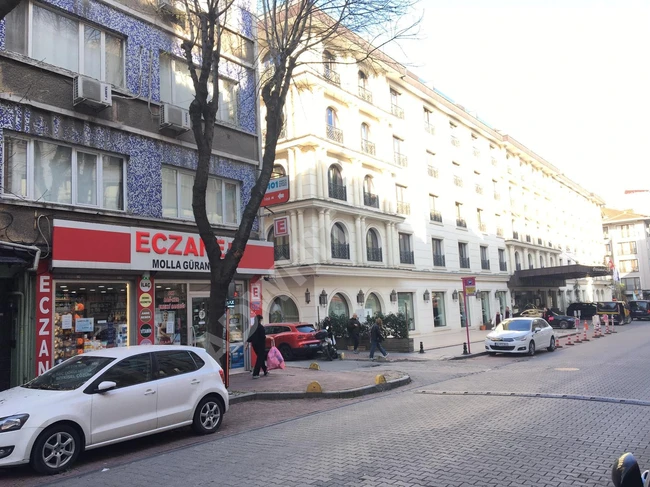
{"x": 171, "y": 314}
{"x": 89, "y": 316}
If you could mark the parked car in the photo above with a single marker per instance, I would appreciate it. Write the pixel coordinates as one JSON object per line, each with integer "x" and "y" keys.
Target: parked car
{"x": 619, "y": 309}
{"x": 520, "y": 335}
{"x": 557, "y": 320}
{"x": 531, "y": 313}
{"x": 104, "y": 397}
{"x": 639, "y": 310}
{"x": 293, "y": 339}
{"x": 587, "y": 310}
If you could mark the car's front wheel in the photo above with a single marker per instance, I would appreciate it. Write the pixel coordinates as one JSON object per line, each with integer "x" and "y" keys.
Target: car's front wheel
{"x": 208, "y": 415}
{"x": 287, "y": 353}
{"x": 531, "y": 348}
{"x": 551, "y": 347}
{"x": 564, "y": 324}
{"x": 56, "y": 449}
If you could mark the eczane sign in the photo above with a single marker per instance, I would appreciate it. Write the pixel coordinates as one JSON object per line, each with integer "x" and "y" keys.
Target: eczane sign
{"x": 277, "y": 191}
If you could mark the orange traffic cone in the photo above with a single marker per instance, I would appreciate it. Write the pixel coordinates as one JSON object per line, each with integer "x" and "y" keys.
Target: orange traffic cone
{"x": 607, "y": 332}
{"x": 557, "y": 343}
{"x": 584, "y": 338}
{"x": 568, "y": 342}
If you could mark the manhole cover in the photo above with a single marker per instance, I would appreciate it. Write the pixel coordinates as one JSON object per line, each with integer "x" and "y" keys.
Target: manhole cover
{"x": 566, "y": 369}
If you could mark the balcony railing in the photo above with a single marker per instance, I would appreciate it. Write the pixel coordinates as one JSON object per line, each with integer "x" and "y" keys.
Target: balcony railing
{"x": 479, "y": 189}
{"x": 460, "y": 222}
{"x": 435, "y": 216}
{"x": 482, "y": 227}
{"x": 485, "y": 264}
{"x": 368, "y": 147}
{"x": 397, "y": 110}
{"x": 370, "y": 199}
{"x": 406, "y": 257}
{"x": 332, "y": 76}
{"x": 458, "y": 181}
{"x": 515, "y": 235}
{"x": 338, "y": 191}
{"x": 335, "y": 134}
{"x": 403, "y": 208}
{"x": 464, "y": 262}
{"x": 503, "y": 266}
{"x": 454, "y": 141}
{"x": 281, "y": 252}
{"x": 374, "y": 254}
{"x": 365, "y": 94}
{"x": 497, "y": 196}
{"x": 528, "y": 239}
{"x": 340, "y": 251}
{"x": 400, "y": 159}
{"x": 438, "y": 260}
{"x": 499, "y": 232}
{"x": 429, "y": 128}
{"x": 432, "y": 171}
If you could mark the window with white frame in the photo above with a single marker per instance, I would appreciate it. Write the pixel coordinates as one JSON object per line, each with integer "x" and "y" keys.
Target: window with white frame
{"x": 38, "y": 170}
{"x": 52, "y": 38}
{"x": 222, "y": 197}
{"x": 228, "y": 92}
{"x": 176, "y": 86}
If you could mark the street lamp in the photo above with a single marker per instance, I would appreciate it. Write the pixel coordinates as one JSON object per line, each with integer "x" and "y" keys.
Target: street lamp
{"x": 393, "y": 296}
{"x": 307, "y": 296}
{"x": 454, "y": 295}
{"x": 322, "y": 298}
{"x": 426, "y": 295}
{"x": 360, "y": 297}
{"x": 477, "y": 294}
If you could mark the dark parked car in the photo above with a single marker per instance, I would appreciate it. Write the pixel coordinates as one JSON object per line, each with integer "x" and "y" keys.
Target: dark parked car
{"x": 618, "y": 309}
{"x": 587, "y": 310}
{"x": 561, "y": 321}
{"x": 293, "y": 339}
{"x": 639, "y": 310}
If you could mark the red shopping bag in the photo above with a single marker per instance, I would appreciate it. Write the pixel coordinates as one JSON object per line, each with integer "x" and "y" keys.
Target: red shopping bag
{"x": 274, "y": 359}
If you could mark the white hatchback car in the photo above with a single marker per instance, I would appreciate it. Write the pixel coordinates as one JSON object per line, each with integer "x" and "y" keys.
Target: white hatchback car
{"x": 521, "y": 335}
{"x": 104, "y": 397}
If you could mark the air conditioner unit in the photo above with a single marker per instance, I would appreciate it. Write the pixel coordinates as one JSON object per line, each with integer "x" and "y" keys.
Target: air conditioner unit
{"x": 170, "y": 7}
{"x": 91, "y": 92}
{"x": 174, "y": 119}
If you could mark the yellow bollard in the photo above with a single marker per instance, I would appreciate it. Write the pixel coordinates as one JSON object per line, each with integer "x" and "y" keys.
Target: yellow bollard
{"x": 314, "y": 366}
{"x": 380, "y": 379}
{"x": 342, "y": 355}
{"x": 314, "y": 387}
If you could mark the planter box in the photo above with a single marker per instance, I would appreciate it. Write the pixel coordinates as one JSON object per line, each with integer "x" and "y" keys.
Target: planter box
{"x": 404, "y": 345}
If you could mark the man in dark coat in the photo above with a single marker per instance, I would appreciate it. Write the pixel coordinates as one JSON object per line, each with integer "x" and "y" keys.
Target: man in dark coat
{"x": 257, "y": 339}
{"x": 354, "y": 328}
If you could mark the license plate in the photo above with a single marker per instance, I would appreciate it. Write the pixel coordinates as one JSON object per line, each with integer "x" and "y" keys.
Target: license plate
{"x": 501, "y": 344}
{"x": 313, "y": 345}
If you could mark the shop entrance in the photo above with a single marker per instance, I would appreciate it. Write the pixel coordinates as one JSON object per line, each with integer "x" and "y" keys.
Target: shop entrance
{"x": 8, "y": 317}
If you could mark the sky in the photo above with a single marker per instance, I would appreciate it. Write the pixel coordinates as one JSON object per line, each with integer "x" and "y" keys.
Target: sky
{"x": 568, "y": 79}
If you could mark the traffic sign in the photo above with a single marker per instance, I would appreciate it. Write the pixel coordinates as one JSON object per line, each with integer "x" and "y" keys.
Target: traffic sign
{"x": 277, "y": 191}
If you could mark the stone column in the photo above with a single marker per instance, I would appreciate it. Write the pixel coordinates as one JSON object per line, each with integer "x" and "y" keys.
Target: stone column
{"x": 362, "y": 237}
{"x": 359, "y": 251}
{"x": 292, "y": 173}
{"x": 294, "y": 238}
{"x": 319, "y": 176}
{"x": 388, "y": 251}
{"x": 328, "y": 236}
{"x": 321, "y": 231}
{"x": 301, "y": 231}
{"x": 324, "y": 169}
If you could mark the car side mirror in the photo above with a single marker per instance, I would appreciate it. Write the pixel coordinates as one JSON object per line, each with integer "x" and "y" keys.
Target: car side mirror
{"x": 537, "y": 329}
{"x": 105, "y": 386}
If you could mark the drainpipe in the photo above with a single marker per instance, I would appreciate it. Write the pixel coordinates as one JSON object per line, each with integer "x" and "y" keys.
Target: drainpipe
{"x": 33, "y": 248}
{"x": 20, "y": 337}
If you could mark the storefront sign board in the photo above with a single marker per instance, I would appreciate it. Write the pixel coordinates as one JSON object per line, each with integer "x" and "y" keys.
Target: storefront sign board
{"x": 44, "y": 325}
{"x": 84, "y": 325}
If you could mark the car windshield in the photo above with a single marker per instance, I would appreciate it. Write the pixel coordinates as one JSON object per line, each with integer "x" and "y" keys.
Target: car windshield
{"x": 514, "y": 325}
{"x": 305, "y": 329}
{"x": 611, "y": 307}
{"x": 71, "y": 374}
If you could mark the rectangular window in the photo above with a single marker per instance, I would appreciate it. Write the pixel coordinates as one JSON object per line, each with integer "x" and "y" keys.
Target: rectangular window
{"x": 228, "y": 91}
{"x": 176, "y": 85}
{"x": 463, "y": 255}
{"x": 438, "y": 252}
{"x": 55, "y": 39}
{"x": 485, "y": 258}
{"x": 631, "y": 265}
{"x": 439, "y": 317}
{"x": 631, "y": 283}
{"x": 44, "y": 171}
{"x": 405, "y": 306}
{"x": 222, "y": 197}
{"x": 405, "y": 249}
{"x": 627, "y": 248}
{"x": 484, "y": 253}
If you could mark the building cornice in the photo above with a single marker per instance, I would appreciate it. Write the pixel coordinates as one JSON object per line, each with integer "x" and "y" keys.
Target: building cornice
{"x": 323, "y": 204}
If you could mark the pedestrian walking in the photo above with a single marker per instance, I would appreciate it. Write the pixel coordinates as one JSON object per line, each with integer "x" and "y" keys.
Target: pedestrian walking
{"x": 507, "y": 312}
{"x": 547, "y": 314}
{"x": 257, "y": 339}
{"x": 497, "y": 318}
{"x": 376, "y": 337}
{"x": 354, "y": 329}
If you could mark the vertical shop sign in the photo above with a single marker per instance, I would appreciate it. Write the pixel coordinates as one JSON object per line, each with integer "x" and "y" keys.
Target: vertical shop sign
{"x": 44, "y": 328}
{"x": 144, "y": 307}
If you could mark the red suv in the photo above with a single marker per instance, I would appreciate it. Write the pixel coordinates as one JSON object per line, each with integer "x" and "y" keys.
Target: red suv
{"x": 292, "y": 339}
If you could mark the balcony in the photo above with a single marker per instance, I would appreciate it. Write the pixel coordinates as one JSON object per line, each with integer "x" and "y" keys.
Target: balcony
{"x": 499, "y": 232}
{"x": 432, "y": 172}
{"x": 497, "y": 196}
{"x": 340, "y": 251}
{"x": 485, "y": 264}
{"x": 403, "y": 208}
{"x": 335, "y": 134}
{"x": 435, "y": 216}
{"x": 460, "y": 222}
{"x": 515, "y": 235}
{"x": 397, "y": 111}
{"x": 368, "y": 147}
{"x": 400, "y": 159}
{"x": 429, "y": 128}
{"x": 454, "y": 141}
{"x": 281, "y": 252}
{"x": 458, "y": 181}
{"x": 374, "y": 254}
{"x": 406, "y": 257}
{"x": 528, "y": 239}
{"x": 370, "y": 199}
{"x": 464, "y": 262}
{"x": 438, "y": 260}
{"x": 365, "y": 94}
{"x": 479, "y": 189}
{"x": 503, "y": 267}
{"x": 338, "y": 192}
{"x": 332, "y": 76}
{"x": 482, "y": 227}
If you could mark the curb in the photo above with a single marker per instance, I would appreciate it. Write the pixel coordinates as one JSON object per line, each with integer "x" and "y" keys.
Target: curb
{"x": 346, "y": 394}
{"x": 469, "y": 355}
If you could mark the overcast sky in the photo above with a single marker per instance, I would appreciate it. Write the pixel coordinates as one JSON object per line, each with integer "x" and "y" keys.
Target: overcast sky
{"x": 569, "y": 79}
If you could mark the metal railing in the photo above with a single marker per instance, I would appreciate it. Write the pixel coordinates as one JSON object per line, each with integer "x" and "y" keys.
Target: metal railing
{"x": 370, "y": 199}
{"x": 397, "y": 110}
{"x": 281, "y": 252}
{"x": 406, "y": 257}
{"x": 368, "y": 147}
{"x": 432, "y": 171}
{"x": 365, "y": 94}
{"x": 435, "y": 216}
{"x": 460, "y": 222}
{"x": 400, "y": 159}
{"x": 503, "y": 266}
{"x": 338, "y": 191}
{"x": 334, "y": 134}
{"x": 332, "y": 76}
{"x": 464, "y": 262}
{"x": 403, "y": 208}
{"x": 374, "y": 254}
{"x": 485, "y": 264}
{"x": 438, "y": 260}
{"x": 429, "y": 128}
{"x": 340, "y": 251}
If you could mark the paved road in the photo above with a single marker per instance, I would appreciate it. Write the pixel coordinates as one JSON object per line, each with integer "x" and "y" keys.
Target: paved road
{"x": 431, "y": 433}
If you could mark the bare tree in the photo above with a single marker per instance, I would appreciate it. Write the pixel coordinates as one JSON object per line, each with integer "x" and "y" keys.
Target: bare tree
{"x": 7, "y": 6}
{"x": 286, "y": 31}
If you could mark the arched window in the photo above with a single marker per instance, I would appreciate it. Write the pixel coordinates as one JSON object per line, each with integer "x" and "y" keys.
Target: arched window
{"x": 368, "y": 185}
{"x": 373, "y": 303}
{"x": 373, "y": 246}
{"x": 328, "y": 61}
{"x": 283, "y": 310}
{"x": 552, "y": 261}
{"x": 281, "y": 248}
{"x": 365, "y": 132}
{"x": 542, "y": 262}
{"x": 336, "y": 188}
{"x": 517, "y": 261}
{"x": 278, "y": 170}
{"x": 339, "y": 306}
{"x": 531, "y": 264}
{"x": 363, "y": 80}
{"x": 332, "y": 117}
{"x": 334, "y": 176}
{"x": 340, "y": 246}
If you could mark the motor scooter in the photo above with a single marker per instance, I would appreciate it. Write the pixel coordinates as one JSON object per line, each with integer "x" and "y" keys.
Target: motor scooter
{"x": 327, "y": 343}
{"x": 626, "y": 473}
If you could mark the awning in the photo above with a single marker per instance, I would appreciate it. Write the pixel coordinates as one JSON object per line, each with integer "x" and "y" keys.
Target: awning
{"x": 555, "y": 276}
{"x": 13, "y": 256}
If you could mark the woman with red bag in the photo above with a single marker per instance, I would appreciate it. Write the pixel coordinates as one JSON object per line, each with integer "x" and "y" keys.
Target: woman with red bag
{"x": 257, "y": 339}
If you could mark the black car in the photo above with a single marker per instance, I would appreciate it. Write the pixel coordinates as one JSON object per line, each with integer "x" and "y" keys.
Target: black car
{"x": 587, "y": 310}
{"x": 557, "y": 320}
{"x": 639, "y": 310}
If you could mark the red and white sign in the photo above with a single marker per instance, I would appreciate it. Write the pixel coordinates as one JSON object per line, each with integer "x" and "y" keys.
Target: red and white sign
{"x": 44, "y": 328}
{"x": 277, "y": 191}
{"x": 97, "y": 246}
{"x": 281, "y": 226}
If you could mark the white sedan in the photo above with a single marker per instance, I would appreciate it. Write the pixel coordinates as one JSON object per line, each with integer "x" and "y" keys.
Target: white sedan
{"x": 104, "y": 397}
{"x": 520, "y": 335}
